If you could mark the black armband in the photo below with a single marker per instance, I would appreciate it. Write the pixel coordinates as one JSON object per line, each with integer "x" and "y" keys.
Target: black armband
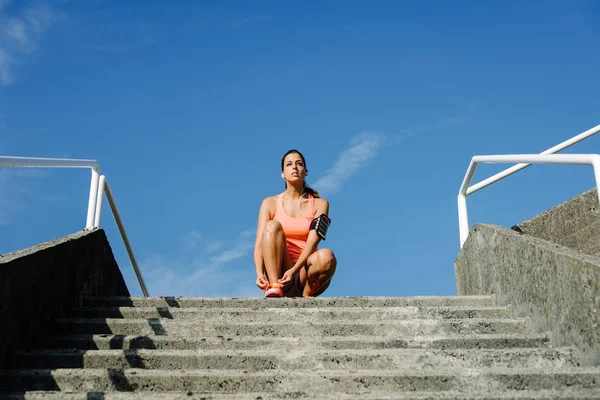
{"x": 320, "y": 225}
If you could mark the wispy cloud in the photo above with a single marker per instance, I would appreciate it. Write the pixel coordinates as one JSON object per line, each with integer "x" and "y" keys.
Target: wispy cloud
{"x": 192, "y": 239}
{"x": 17, "y": 191}
{"x": 362, "y": 148}
{"x": 127, "y": 47}
{"x": 462, "y": 116}
{"x": 20, "y": 34}
{"x": 126, "y": 37}
{"x": 5, "y": 200}
{"x": 243, "y": 21}
{"x": 238, "y": 251}
{"x": 221, "y": 20}
{"x": 203, "y": 267}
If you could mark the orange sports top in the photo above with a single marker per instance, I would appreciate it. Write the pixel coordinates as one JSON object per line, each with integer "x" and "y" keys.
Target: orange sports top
{"x": 296, "y": 229}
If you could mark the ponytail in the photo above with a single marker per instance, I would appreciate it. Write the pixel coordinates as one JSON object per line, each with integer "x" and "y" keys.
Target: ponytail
{"x": 311, "y": 191}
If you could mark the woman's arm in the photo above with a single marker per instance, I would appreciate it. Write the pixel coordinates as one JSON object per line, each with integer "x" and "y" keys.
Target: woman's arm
{"x": 264, "y": 215}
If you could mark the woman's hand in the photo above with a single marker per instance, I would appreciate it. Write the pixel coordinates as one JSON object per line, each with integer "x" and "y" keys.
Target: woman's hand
{"x": 287, "y": 277}
{"x": 262, "y": 282}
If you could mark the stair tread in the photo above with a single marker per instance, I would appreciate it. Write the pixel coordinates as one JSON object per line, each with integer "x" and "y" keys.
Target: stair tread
{"x": 580, "y": 394}
{"x": 292, "y": 302}
{"x": 260, "y": 323}
{"x": 294, "y": 310}
{"x": 296, "y": 353}
{"x": 407, "y": 371}
{"x": 399, "y": 340}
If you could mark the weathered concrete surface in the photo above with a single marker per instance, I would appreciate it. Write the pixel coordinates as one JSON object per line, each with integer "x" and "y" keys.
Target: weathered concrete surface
{"x": 463, "y": 341}
{"x": 305, "y": 382}
{"x": 291, "y": 328}
{"x": 43, "y": 282}
{"x": 293, "y": 360}
{"x": 297, "y": 315}
{"x": 267, "y": 304}
{"x": 282, "y": 344}
{"x": 313, "y": 348}
{"x": 557, "y": 287}
{"x": 574, "y": 224}
{"x": 570, "y": 394}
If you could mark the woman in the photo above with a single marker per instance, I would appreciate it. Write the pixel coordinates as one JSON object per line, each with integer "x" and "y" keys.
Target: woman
{"x": 288, "y": 262}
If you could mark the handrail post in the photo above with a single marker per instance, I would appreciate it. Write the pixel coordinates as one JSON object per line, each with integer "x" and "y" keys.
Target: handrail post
{"x": 89, "y": 224}
{"x": 596, "y": 166}
{"x": 117, "y": 216}
{"x": 463, "y": 217}
{"x": 99, "y": 197}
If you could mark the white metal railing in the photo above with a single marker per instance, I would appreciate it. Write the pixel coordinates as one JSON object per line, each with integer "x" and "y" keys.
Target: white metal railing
{"x": 98, "y": 186}
{"x": 572, "y": 159}
{"x": 466, "y": 190}
{"x": 552, "y": 150}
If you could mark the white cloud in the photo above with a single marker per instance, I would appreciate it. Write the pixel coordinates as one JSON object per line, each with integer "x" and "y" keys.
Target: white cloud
{"x": 21, "y": 33}
{"x": 125, "y": 37}
{"x": 465, "y": 114}
{"x": 239, "y": 251}
{"x": 362, "y": 148}
{"x": 5, "y": 211}
{"x": 192, "y": 239}
{"x": 6, "y": 76}
{"x": 244, "y": 21}
{"x": 16, "y": 190}
{"x": 248, "y": 233}
{"x": 212, "y": 247}
{"x": 206, "y": 269}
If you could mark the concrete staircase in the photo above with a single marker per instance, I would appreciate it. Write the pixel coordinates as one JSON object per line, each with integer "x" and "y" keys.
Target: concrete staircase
{"x": 325, "y": 348}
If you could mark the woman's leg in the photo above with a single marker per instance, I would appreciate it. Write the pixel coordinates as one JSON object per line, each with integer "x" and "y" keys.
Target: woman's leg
{"x": 274, "y": 251}
{"x": 316, "y": 277}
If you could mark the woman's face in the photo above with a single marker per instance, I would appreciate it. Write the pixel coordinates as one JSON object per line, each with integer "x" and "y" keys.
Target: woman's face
{"x": 293, "y": 167}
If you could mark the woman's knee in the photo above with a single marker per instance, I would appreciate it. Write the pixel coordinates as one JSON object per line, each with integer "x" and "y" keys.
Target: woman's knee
{"x": 329, "y": 258}
{"x": 326, "y": 260}
{"x": 272, "y": 228}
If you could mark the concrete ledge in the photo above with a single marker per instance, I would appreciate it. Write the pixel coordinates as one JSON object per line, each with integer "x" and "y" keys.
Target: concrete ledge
{"x": 44, "y": 282}
{"x": 574, "y": 224}
{"x": 557, "y": 287}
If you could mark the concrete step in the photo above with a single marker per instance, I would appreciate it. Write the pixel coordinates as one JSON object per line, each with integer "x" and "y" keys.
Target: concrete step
{"x": 465, "y": 341}
{"x": 297, "y": 315}
{"x": 259, "y": 360}
{"x": 322, "y": 382}
{"x": 258, "y": 303}
{"x": 195, "y": 328}
{"x": 578, "y": 394}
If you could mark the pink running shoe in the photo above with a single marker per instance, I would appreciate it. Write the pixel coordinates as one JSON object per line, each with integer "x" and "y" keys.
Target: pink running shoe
{"x": 274, "y": 290}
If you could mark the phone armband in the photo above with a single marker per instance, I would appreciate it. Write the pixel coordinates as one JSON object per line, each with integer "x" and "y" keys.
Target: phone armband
{"x": 321, "y": 225}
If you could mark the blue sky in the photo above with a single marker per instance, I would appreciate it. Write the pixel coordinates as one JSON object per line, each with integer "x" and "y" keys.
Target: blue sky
{"x": 188, "y": 109}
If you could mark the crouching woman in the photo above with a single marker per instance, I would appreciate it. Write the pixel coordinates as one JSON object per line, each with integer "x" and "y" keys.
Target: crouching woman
{"x": 290, "y": 226}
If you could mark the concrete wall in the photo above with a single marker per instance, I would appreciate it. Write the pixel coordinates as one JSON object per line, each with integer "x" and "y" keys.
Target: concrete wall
{"x": 558, "y": 287}
{"x": 45, "y": 281}
{"x": 574, "y": 224}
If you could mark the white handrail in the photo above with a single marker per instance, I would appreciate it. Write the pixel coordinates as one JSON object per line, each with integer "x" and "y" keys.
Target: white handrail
{"x": 515, "y": 168}
{"x": 34, "y": 162}
{"x": 98, "y": 186}
{"x": 572, "y": 159}
{"x": 104, "y": 187}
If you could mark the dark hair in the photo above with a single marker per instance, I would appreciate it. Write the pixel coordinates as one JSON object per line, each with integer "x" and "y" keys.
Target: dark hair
{"x": 307, "y": 189}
